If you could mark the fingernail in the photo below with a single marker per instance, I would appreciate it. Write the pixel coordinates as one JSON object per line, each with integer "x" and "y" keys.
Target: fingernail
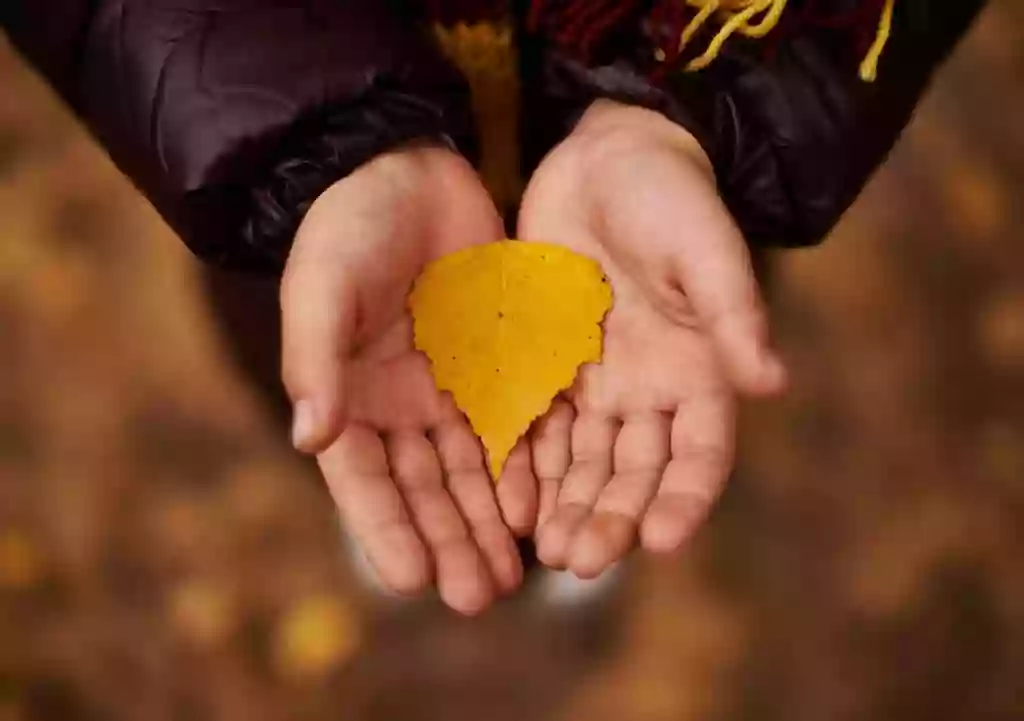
{"x": 303, "y": 425}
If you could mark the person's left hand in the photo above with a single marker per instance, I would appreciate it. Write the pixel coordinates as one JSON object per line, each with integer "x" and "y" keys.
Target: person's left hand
{"x": 643, "y": 443}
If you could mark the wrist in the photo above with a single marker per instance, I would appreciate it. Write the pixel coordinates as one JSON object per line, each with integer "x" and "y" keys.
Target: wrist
{"x": 313, "y": 154}
{"x": 609, "y": 128}
{"x": 423, "y": 199}
{"x": 415, "y": 166}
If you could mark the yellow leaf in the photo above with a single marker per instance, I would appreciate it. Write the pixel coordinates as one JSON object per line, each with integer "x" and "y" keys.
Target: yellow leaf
{"x": 506, "y": 327}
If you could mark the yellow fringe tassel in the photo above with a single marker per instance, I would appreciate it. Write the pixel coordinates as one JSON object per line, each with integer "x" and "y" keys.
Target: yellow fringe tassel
{"x": 757, "y": 18}
{"x": 869, "y": 68}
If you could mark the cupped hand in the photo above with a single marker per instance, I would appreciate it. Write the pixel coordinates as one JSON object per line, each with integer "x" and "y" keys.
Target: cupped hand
{"x": 642, "y": 445}
{"x": 402, "y": 464}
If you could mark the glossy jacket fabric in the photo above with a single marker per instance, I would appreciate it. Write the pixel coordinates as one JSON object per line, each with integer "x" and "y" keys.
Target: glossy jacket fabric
{"x": 233, "y": 115}
{"x": 793, "y": 132}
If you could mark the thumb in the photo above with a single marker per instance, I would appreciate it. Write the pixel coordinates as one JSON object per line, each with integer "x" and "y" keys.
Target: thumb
{"x": 662, "y": 210}
{"x": 718, "y": 276}
{"x": 318, "y": 324}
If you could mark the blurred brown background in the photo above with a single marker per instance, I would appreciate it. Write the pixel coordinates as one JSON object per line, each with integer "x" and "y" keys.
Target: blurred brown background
{"x": 164, "y": 556}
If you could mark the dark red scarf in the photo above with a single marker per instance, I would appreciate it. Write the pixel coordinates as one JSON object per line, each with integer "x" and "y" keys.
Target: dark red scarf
{"x": 580, "y": 27}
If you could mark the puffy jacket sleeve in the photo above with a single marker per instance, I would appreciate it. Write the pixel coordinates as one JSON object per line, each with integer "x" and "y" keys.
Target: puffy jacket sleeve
{"x": 233, "y": 115}
{"x": 794, "y": 134}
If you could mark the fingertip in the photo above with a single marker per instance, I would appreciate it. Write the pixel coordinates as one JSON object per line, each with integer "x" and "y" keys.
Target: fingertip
{"x": 463, "y": 580}
{"x": 305, "y": 427}
{"x": 556, "y": 537}
{"x": 753, "y": 367}
{"x": 661, "y": 541}
{"x": 551, "y": 541}
{"x": 407, "y": 587}
{"x": 605, "y": 539}
{"x": 508, "y": 580}
{"x": 586, "y": 558}
{"x": 669, "y": 523}
{"x": 775, "y": 376}
{"x": 503, "y": 559}
{"x": 409, "y": 577}
{"x": 518, "y": 510}
{"x": 764, "y": 377}
{"x": 470, "y": 610}
{"x": 516, "y": 493}
{"x": 313, "y": 428}
{"x": 521, "y": 528}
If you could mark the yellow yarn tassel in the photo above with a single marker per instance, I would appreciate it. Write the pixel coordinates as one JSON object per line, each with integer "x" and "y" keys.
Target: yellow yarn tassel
{"x": 869, "y": 68}
{"x": 741, "y": 17}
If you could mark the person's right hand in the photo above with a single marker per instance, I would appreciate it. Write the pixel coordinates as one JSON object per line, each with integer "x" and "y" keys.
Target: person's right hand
{"x": 402, "y": 464}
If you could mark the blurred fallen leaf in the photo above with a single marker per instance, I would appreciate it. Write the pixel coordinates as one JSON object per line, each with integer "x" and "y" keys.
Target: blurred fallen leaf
{"x": 890, "y": 568}
{"x": 254, "y": 492}
{"x": 59, "y": 289}
{"x": 11, "y": 711}
{"x": 21, "y": 563}
{"x": 182, "y": 526}
{"x": 1001, "y": 330}
{"x": 976, "y": 199}
{"x": 316, "y": 635}
{"x": 1001, "y": 455}
{"x": 19, "y": 255}
{"x": 203, "y": 612}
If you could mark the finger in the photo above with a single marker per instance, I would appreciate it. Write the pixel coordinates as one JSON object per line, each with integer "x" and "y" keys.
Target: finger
{"x": 593, "y": 438}
{"x": 318, "y": 320}
{"x": 551, "y": 452}
{"x": 716, "y": 274}
{"x": 473, "y": 493}
{"x": 517, "y": 491}
{"x": 703, "y": 443}
{"x": 641, "y": 454}
{"x": 463, "y": 579}
{"x": 356, "y": 470}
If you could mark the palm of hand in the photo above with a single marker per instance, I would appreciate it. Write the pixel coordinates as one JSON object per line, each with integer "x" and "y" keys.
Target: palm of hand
{"x": 406, "y": 471}
{"x": 409, "y": 476}
{"x": 641, "y": 445}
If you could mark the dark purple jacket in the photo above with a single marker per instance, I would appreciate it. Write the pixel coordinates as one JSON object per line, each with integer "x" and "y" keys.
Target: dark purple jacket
{"x": 233, "y": 115}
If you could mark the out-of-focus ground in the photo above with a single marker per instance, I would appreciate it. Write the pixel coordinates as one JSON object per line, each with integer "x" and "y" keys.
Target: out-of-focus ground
{"x": 163, "y": 555}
